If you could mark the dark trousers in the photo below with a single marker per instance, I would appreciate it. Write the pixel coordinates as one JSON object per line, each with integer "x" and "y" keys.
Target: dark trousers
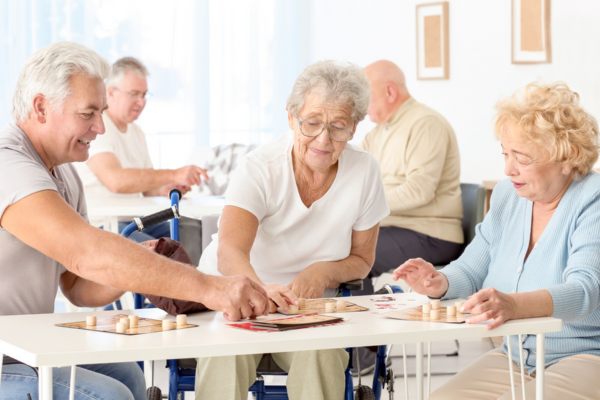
{"x": 395, "y": 246}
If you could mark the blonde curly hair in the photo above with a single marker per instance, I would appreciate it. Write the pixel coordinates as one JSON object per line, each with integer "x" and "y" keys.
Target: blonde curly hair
{"x": 551, "y": 116}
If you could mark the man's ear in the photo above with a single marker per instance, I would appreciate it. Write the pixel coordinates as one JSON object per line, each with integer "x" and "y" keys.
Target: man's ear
{"x": 392, "y": 93}
{"x": 291, "y": 120}
{"x": 40, "y": 108}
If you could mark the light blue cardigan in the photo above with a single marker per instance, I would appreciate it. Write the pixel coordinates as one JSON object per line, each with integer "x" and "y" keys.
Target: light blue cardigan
{"x": 565, "y": 261}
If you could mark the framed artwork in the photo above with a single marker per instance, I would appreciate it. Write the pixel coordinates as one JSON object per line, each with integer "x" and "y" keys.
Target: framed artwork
{"x": 432, "y": 41}
{"x": 531, "y": 32}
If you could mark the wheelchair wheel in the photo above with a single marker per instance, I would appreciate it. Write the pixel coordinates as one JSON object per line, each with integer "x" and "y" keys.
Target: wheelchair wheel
{"x": 154, "y": 393}
{"x": 364, "y": 393}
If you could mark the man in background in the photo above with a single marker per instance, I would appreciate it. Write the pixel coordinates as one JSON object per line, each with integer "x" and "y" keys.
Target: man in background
{"x": 420, "y": 165}
{"x": 119, "y": 165}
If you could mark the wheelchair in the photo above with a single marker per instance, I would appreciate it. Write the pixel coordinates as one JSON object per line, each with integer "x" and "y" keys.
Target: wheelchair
{"x": 182, "y": 372}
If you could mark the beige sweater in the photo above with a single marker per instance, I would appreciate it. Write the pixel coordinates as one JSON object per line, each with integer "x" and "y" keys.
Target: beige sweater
{"x": 420, "y": 166}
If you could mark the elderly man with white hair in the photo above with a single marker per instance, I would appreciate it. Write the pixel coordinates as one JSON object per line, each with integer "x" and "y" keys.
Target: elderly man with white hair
{"x": 45, "y": 237}
{"x": 119, "y": 165}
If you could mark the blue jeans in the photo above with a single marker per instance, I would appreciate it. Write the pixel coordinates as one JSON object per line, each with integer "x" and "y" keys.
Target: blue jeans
{"x": 123, "y": 381}
{"x": 151, "y": 233}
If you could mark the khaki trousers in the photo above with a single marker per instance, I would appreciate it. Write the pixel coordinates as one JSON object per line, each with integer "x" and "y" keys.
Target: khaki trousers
{"x": 312, "y": 375}
{"x": 488, "y": 378}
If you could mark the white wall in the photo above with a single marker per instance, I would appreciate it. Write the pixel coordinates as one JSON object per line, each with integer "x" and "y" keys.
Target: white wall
{"x": 363, "y": 31}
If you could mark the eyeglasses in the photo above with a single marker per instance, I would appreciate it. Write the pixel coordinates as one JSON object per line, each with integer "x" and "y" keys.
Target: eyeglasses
{"x": 313, "y": 127}
{"x": 136, "y": 96}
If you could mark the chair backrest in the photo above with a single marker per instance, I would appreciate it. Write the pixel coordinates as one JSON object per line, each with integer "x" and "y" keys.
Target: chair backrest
{"x": 473, "y": 199}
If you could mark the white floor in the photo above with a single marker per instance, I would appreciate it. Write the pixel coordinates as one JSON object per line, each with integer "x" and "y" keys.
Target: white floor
{"x": 445, "y": 366}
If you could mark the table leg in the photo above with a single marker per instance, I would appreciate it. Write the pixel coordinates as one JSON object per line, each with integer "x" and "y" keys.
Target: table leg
{"x": 149, "y": 373}
{"x": 405, "y": 371}
{"x": 510, "y": 368}
{"x": 540, "y": 362}
{"x": 72, "y": 388}
{"x": 46, "y": 380}
{"x": 419, "y": 371}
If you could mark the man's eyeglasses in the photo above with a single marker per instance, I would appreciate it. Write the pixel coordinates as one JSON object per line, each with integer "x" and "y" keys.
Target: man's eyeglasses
{"x": 136, "y": 95}
{"x": 313, "y": 127}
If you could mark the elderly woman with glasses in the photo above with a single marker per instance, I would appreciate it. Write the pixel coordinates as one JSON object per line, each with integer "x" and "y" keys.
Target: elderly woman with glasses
{"x": 302, "y": 216}
{"x": 536, "y": 254}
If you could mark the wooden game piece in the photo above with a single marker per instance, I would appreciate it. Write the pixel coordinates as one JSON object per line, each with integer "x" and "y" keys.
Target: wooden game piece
{"x": 341, "y": 306}
{"x": 90, "y": 320}
{"x": 121, "y": 327}
{"x": 426, "y": 308}
{"x": 302, "y": 304}
{"x": 459, "y": 305}
{"x": 330, "y": 307}
{"x": 167, "y": 324}
{"x": 451, "y": 310}
{"x": 133, "y": 321}
{"x": 181, "y": 320}
{"x": 434, "y": 314}
{"x": 435, "y": 304}
{"x": 292, "y": 309}
{"x": 125, "y": 321}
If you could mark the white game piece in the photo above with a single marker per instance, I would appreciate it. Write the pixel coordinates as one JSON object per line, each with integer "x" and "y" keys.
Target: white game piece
{"x": 426, "y": 308}
{"x": 167, "y": 324}
{"x": 292, "y": 309}
{"x": 125, "y": 321}
{"x": 90, "y": 320}
{"x": 302, "y": 304}
{"x": 459, "y": 305}
{"x": 133, "y": 321}
{"x": 434, "y": 314}
{"x": 341, "y": 306}
{"x": 181, "y": 320}
{"x": 329, "y": 307}
{"x": 451, "y": 310}
{"x": 121, "y": 327}
{"x": 435, "y": 304}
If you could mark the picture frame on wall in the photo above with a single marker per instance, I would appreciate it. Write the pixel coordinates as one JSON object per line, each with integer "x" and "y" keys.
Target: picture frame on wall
{"x": 531, "y": 43}
{"x": 433, "y": 53}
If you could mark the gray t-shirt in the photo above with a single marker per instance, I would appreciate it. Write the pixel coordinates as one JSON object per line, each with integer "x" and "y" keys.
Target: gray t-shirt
{"x": 28, "y": 278}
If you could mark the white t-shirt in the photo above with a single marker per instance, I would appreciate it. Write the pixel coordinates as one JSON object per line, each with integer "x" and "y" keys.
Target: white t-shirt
{"x": 290, "y": 236}
{"x": 131, "y": 150}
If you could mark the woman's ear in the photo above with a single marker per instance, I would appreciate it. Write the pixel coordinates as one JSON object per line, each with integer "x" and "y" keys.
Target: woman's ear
{"x": 567, "y": 169}
{"x": 291, "y": 120}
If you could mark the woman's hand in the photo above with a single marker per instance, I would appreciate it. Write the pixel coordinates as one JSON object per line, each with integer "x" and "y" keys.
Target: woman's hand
{"x": 280, "y": 296}
{"x": 422, "y": 277}
{"x": 310, "y": 283}
{"x": 490, "y": 303}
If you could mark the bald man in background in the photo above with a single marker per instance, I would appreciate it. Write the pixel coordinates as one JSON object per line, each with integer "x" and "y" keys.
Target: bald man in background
{"x": 420, "y": 165}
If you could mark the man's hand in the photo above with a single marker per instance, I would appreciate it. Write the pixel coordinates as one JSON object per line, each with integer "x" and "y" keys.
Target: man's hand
{"x": 164, "y": 191}
{"x": 189, "y": 175}
{"x": 310, "y": 283}
{"x": 490, "y": 303}
{"x": 149, "y": 244}
{"x": 280, "y": 296}
{"x": 236, "y": 296}
{"x": 422, "y": 277}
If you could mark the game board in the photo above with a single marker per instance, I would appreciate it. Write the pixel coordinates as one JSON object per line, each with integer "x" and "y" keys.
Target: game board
{"x": 416, "y": 314}
{"x": 288, "y": 323}
{"x": 317, "y": 306}
{"x": 145, "y": 325}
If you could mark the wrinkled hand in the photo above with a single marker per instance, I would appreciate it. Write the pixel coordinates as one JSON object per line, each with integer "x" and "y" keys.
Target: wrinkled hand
{"x": 490, "y": 303}
{"x": 280, "y": 296}
{"x": 189, "y": 175}
{"x": 164, "y": 191}
{"x": 422, "y": 277}
{"x": 149, "y": 244}
{"x": 237, "y": 297}
{"x": 310, "y": 283}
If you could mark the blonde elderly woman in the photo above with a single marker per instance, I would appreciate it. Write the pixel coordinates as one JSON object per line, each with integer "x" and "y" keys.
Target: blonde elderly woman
{"x": 302, "y": 216}
{"x": 536, "y": 254}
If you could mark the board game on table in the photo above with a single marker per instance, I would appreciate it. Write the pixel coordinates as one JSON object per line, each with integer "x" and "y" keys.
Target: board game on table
{"x": 317, "y": 306}
{"x": 109, "y": 325}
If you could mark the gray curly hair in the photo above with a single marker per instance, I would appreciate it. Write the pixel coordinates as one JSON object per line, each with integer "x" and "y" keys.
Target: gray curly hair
{"x": 338, "y": 82}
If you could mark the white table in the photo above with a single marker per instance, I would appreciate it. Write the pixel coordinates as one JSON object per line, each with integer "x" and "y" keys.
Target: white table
{"x": 111, "y": 209}
{"x": 34, "y": 340}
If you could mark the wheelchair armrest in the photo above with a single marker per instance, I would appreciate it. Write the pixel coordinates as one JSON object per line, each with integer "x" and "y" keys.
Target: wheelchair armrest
{"x": 352, "y": 285}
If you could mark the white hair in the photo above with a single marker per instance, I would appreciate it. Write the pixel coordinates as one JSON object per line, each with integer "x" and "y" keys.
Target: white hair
{"x": 338, "y": 82}
{"x": 48, "y": 72}
{"x": 123, "y": 65}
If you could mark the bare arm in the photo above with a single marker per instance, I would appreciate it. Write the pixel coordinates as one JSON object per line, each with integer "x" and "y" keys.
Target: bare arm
{"x": 85, "y": 293}
{"x": 47, "y": 223}
{"x": 117, "y": 179}
{"x": 312, "y": 281}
